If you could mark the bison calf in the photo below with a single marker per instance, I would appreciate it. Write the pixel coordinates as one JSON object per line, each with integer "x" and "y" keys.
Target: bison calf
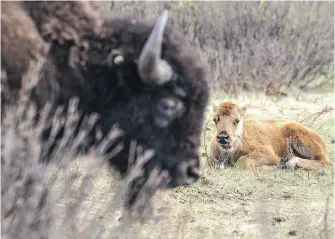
{"x": 264, "y": 143}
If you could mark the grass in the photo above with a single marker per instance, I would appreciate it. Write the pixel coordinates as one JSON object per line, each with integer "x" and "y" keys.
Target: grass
{"x": 228, "y": 203}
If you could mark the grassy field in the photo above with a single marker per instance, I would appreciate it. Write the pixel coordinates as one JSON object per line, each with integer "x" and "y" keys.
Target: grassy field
{"x": 227, "y": 203}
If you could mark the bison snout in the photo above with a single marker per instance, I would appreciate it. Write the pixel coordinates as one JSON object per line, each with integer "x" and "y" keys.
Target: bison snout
{"x": 184, "y": 174}
{"x": 223, "y": 137}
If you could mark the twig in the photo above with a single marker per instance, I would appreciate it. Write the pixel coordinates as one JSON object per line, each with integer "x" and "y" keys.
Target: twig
{"x": 314, "y": 116}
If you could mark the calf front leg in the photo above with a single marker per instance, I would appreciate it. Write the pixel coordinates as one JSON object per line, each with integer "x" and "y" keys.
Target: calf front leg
{"x": 258, "y": 161}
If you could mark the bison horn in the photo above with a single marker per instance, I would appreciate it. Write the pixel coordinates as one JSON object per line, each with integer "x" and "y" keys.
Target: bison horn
{"x": 153, "y": 69}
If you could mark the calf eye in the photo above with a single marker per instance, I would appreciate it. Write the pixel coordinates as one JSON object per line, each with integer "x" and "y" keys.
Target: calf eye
{"x": 236, "y": 122}
{"x": 216, "y": 119}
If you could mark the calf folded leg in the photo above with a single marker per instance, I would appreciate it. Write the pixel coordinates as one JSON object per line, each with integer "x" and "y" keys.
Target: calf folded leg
{"x": 307, "y": 164}
{"x": 259, "y": 160}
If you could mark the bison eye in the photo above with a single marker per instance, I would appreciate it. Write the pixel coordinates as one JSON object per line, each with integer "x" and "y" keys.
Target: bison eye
{"x": 170, "y": 106}
{"x": 236, "y": 122}
{"x": 168, "y": 109}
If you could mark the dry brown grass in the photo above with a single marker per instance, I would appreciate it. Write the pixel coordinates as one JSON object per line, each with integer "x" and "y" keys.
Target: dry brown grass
{"x": 227, "y": 203}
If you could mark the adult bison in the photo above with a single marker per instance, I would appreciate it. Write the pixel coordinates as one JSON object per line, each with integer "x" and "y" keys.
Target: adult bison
{"x": 145, "y": 78}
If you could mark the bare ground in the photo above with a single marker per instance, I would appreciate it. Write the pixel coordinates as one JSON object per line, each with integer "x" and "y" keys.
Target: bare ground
{"x": 227, "y": 203}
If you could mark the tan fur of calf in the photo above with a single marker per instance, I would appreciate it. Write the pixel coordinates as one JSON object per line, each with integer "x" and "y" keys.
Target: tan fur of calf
{"x": 264, "y": 143}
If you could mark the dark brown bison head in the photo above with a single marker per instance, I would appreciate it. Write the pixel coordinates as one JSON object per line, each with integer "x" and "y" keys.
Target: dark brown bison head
{"x": 148, "y": 81}
{"x": 145, "y": 78}
{"x": 157, "y": 93}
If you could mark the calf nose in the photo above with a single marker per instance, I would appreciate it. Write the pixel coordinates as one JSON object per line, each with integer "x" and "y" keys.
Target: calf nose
{"x": 223, "y": 135}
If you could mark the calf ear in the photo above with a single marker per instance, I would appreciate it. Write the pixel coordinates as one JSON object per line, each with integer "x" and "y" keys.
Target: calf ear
{"x": 244, "y": 110}
{"x": 215, "y": 107}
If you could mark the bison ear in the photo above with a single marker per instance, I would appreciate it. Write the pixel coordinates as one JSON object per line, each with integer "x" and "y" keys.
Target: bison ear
{"x": 151, "y": 68}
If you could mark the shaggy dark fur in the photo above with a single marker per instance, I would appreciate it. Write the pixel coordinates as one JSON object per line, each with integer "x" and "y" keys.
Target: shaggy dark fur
{"x": 84, "y": 42}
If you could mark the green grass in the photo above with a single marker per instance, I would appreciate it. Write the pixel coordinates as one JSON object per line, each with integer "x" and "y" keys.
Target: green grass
{"x": 230, "y": 203}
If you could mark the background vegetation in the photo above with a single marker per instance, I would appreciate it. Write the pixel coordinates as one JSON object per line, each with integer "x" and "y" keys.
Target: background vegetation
{"x": 251, "y": 48}
{"x": 250, "y": 45}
